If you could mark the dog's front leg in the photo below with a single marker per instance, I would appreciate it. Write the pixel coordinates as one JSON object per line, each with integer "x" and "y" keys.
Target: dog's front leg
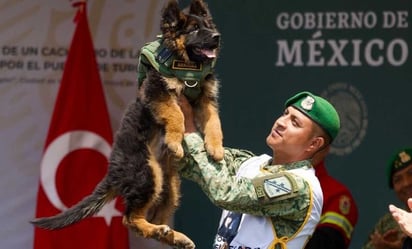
{"x": 168, "y": 113}
{"x": 208, "y": 115}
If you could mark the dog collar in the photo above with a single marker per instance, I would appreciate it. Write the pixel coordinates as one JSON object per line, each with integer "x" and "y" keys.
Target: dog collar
{"x": 166, "y": 62}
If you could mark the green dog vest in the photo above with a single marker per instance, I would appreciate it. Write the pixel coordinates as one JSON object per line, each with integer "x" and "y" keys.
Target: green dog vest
{"x": 165, "y": 62}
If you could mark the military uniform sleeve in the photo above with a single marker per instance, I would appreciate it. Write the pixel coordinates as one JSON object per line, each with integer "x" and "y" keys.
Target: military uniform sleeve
{"x": 384, "y": 224}
{"x": 219, "y": 182}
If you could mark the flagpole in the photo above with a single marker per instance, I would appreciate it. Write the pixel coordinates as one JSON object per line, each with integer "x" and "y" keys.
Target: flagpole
{"x": 79, "y": 4}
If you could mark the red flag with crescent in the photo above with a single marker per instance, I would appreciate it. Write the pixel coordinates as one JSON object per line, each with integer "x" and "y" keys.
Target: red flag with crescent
{"x": 76, "y": 153}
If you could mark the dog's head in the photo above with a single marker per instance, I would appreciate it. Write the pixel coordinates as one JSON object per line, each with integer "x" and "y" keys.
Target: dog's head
{"x": 190, "y": 32}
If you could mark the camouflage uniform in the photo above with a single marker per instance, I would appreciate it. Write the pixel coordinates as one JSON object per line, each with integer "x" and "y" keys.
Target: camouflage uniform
{"x": 385, "y": 223}
{"x": 289, "y": 212}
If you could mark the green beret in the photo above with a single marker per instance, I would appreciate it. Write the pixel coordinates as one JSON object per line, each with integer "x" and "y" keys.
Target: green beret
{"x": 319, "y": 110}
{"x": 400, "y": 160}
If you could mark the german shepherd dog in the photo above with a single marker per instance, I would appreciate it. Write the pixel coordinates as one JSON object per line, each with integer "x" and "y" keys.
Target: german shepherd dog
{"x": 148, "y": 144}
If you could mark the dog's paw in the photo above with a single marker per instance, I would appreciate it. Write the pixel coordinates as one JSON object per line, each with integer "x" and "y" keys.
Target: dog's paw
{"x": 173, "y": 238}
{"x": 184, "y": 246}
{"x": 181, "y": 241}
{"x": 162, "y": 231}
{"x": 216, "y": 152}
{"x": 214, "y": 144}
{"x": 126, "y": 221}
{"x": 176, "y": 149}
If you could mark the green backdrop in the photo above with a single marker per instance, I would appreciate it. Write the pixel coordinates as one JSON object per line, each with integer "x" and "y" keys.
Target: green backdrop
{"x": 355, "y": 54}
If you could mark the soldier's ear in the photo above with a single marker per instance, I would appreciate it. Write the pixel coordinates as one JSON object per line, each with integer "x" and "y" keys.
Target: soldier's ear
{"x": 317, "y": 143}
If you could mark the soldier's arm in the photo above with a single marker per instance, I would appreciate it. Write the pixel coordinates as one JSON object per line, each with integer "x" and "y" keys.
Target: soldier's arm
{"x": 219, "y": 182}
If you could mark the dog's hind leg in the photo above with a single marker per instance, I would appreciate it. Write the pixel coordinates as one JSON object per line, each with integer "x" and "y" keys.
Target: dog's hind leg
{"x": 161, "y": 232}
{"x": 136, "y": 214}
{"x": 142, "y": 227}
{"x": 170, "y": 196}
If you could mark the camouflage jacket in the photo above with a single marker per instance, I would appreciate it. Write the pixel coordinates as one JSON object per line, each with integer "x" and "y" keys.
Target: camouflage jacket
{"x": 220, "y": 182}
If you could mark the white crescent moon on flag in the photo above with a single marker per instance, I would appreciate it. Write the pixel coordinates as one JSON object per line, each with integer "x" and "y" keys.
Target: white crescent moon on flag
{"x": 60, "y": 148}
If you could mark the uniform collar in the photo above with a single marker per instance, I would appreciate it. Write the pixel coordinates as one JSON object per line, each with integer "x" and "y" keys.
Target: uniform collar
{"x": 288, "y": 166}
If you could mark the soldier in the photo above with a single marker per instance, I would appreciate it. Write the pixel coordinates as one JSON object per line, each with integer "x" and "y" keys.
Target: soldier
{"x": 387, "y": 234}
{"x": 274, "y": 201}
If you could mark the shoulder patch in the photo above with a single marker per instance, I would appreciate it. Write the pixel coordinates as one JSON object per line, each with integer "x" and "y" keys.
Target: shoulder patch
{"x": 275, "y": 186}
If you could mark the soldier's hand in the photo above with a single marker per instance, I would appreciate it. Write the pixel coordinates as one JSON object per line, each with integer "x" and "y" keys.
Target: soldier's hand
{"x": 403, "y": 217}
{"x": 389, "y": 240}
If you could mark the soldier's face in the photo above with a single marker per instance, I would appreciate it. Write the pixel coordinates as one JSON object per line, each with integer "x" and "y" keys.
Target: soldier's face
{"x": 291, "y": 136}
{"x": 402, "y": 183}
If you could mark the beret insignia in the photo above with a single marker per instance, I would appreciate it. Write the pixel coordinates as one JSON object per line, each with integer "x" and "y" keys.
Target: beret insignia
{"x": 307, "y": 103}
{"x": 404, "y": 157}
{"x": 318, "y": 109}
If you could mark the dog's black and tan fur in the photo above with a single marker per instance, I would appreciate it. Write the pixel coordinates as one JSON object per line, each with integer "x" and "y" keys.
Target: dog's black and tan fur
{"x": 149, "y": 139}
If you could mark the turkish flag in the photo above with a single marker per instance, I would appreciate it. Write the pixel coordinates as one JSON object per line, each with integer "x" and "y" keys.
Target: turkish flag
{"x": 76, "y": 153}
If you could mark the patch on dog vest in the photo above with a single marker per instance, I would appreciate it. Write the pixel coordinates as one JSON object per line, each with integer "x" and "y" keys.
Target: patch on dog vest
{"x": 182, "y": 65}
{"x": 276, "y": 186}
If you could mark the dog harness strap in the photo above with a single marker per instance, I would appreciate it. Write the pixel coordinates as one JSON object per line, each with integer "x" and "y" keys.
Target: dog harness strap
{"x": 164, "y": 61}
{"x": 149, "y": 56}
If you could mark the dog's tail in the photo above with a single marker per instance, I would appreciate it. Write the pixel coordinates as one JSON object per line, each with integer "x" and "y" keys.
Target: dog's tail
{"x": 90, "y": 205}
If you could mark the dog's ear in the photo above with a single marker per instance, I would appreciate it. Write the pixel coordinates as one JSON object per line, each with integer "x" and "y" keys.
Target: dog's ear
{"x": 172, "y": 17}
{"x": 199, "y": 8}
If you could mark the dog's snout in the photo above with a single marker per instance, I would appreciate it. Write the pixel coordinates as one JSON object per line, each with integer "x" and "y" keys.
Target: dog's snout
{"x": 216, "y": 37}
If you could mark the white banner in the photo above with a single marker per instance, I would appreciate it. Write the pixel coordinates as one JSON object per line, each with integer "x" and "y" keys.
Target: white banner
{"x": 34, "y": 40}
